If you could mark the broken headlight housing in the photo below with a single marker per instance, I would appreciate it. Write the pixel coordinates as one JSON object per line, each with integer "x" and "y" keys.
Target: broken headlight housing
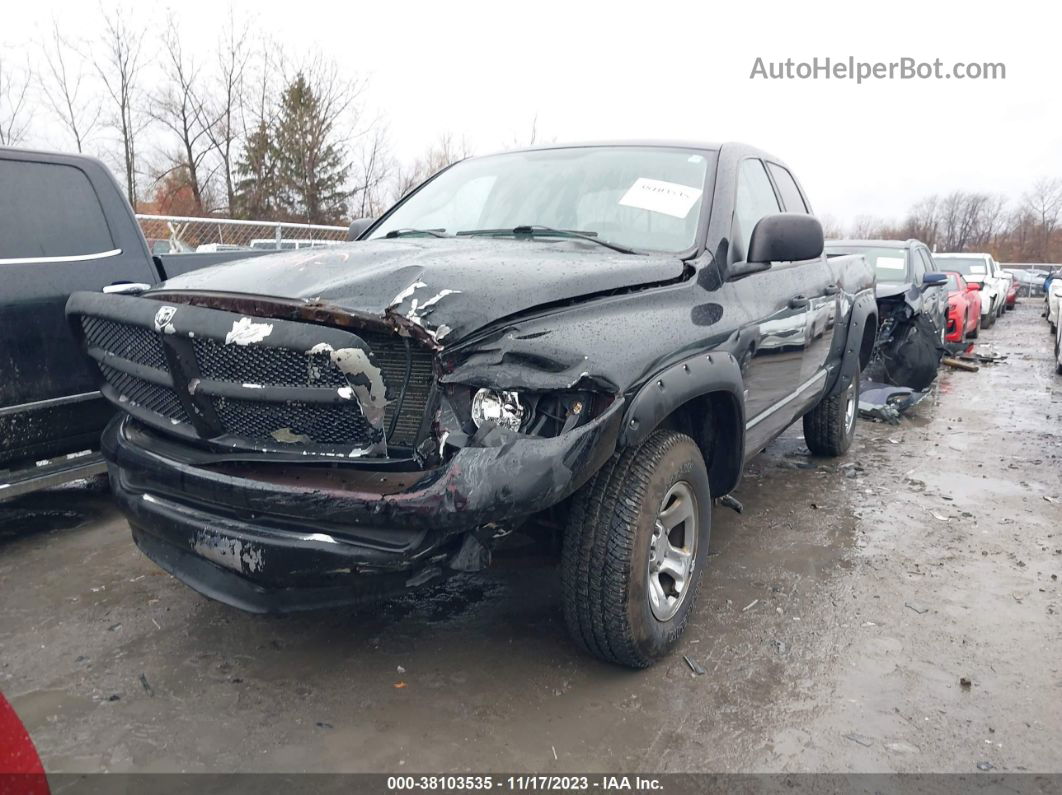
{"x": 531, "y": 412}
{"x": 500, "y": 406}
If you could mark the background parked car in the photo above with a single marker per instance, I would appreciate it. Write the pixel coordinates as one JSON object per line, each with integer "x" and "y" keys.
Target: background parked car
{"x": 1012, "y": 291}
{"x": 978, "y": 268}
{"x": 1054, "y": 299}
{"x": 65, "y": 225}
{"x": 964, "y": 308}
{"x": 901, "y": 268}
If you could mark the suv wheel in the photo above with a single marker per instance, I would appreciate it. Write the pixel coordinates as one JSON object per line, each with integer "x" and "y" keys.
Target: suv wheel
{"x": 634, "y": 550}
{"x": 830, "y": 427}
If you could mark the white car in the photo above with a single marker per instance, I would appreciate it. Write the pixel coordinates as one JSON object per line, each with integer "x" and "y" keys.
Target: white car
{"x": 1054, "y": 303}
{"x": 1058, "y": 348}
{"x": 983, "y": 270}
{"x": 1003, "y": 281}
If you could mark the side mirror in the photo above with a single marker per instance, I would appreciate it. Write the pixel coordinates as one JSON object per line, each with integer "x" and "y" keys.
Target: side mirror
{"x": 357, "y": 227}
{"x": 973, "y": 287}
{"x": 786, "y": 237}
{"x": 932, "y": 279}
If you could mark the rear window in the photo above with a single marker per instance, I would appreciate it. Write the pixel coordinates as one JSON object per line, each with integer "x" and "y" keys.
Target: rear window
{"x": 967, "y": 266}
{"x": 49, "y": 210}
{"x": 890, "y": 264}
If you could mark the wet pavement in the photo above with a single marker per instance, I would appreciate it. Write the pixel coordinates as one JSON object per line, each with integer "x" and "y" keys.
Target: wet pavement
{"x": 841, "y": 615}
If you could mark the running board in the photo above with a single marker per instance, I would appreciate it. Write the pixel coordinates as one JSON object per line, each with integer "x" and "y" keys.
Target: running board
{"x": 53, "y": 472}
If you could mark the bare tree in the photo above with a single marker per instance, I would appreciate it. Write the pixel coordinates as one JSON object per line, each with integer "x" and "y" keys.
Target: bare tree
{"x": 868, "y": 227}
{"x": 119, "y": 68}
{"x": 225, "y": 109}
{"x": 179, "y": 108}
{"x": 444, "y": 152}
{"x": 62, "y": 86}
{"x": 831, "y": 227}
{"x": 375, "y": 168}
{"x": 15, "y": 113}
{"x": 1044, "y": 204}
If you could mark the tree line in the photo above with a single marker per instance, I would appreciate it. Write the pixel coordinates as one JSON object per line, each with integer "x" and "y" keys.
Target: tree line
{"x": 243, "y": 132}
{"x": 1025, "y": 229}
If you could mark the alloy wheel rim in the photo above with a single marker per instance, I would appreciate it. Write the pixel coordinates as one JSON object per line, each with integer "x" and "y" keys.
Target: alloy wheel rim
{"x": 672, "y": 551}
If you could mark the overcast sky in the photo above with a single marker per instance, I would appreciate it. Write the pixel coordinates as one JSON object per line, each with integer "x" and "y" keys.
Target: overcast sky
{"x": 681, "y": 70}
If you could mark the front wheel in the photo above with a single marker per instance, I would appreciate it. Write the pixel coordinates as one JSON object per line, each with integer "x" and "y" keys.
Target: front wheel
{"x": 830, "y": 427}
{"x": 635, "y": 549}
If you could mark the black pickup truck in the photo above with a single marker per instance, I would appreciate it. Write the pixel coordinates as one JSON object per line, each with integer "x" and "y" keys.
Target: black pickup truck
{"x": 64, "y": 226}
{"x": 601, "y": 335}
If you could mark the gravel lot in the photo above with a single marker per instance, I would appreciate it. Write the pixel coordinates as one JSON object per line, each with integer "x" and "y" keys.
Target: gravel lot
{"x": 842, "y": 612}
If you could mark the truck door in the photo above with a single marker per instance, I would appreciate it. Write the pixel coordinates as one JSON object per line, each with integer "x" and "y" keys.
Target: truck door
{"x": 820, "y": 283}
{"x": 775, "y": 315}
{"x": 64, "y": 226}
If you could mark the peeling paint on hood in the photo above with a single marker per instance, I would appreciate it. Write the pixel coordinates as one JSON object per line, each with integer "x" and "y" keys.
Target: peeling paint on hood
{"x": 466, "y": 283}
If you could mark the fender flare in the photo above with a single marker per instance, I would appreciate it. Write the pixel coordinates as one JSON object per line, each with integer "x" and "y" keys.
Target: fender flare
{"x": 716, "y": 373}
{"x": 864, "y": 310}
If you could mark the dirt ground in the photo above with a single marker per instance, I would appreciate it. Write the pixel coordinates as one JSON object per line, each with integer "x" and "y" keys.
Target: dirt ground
{"x": 842, "y": 612}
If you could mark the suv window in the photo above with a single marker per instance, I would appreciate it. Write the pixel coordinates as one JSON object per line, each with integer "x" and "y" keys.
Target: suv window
{"x": 927, "y": 259}
{"x": 918, "y": 266}
{"x": 49, "y": 210}
{"x": 787, "y": 187}
{"x": 755, "y": 199}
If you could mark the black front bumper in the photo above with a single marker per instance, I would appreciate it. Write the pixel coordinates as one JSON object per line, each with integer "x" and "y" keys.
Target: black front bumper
{"x": 280, "y": 537}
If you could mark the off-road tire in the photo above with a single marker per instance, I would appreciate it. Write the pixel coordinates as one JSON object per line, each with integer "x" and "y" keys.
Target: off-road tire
{"x": 829, "y": 428}
{"x": 605, "y": 557}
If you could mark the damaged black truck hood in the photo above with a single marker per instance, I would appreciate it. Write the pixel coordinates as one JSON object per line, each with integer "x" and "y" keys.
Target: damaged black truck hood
{"x": 450, "y": 286}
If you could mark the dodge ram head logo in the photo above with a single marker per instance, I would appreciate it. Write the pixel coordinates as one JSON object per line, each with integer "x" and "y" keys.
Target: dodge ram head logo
{"x": 164, "y": 316}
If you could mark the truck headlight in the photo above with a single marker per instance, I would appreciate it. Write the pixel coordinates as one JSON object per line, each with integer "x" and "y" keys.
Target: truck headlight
{"x": 501, "y": 407}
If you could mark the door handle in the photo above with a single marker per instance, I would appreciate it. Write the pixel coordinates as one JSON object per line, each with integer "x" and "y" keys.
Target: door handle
{"x": 832, "y": 289}
{"x": 798, "y": 302}
{"x": 126, "y": 288}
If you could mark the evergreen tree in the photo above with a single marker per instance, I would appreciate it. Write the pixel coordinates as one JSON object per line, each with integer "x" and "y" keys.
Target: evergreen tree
{"x": 311, "y": 166}
{"x": 257, "y": 185}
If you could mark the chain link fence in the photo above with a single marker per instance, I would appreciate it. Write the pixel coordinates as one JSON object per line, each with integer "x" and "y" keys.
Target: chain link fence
{"x": 173, "y": 234}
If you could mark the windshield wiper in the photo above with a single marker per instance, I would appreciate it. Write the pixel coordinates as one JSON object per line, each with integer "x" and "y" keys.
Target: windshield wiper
{"x": 402, "y": 232}
{"x": 547, "y": 231}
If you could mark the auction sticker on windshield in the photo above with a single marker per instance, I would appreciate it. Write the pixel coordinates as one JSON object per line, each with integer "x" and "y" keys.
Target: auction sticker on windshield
{"x": 891, "y": 263}
{"x": 657, "y": 196}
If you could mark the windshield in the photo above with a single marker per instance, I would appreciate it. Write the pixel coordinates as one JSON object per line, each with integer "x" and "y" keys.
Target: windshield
{"x": 890, "y": 264}
{"x": 953, "y": 282}
{"x": 644, "y": 198}
{"x": 967, "y": 266}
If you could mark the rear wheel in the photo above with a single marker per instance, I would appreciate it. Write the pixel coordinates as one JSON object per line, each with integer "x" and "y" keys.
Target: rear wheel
{"x": 830, "y": 427}
{"x": 634, "y": 550}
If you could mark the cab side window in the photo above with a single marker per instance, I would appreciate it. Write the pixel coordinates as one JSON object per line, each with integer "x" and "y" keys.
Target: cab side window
{"x": 787, "y": 187}
{"x": 918, "y": 265}
{"x": 928, "y": 266}
{"x": 755, "y": 199}
{"x": 74, "y": 224}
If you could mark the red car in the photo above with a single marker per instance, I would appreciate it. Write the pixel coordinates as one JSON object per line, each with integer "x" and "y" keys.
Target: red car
{"x": 964, "y": 308}
{"x": 1012, "y": 292}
